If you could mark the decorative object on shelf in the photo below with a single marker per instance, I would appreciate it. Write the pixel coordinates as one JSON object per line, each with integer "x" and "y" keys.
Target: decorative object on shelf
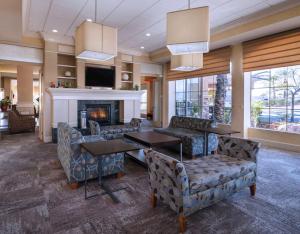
{"x": 188, "y": 31}
{"x": 68, "y": 74}
{"x": 5, "y": 103}
{"x": 136, "y": 87}
{"x": 52, "y": 84}
{"x": 186, "y": 62}
{"x": 125, "y": 77}
{"x": 83, "y": 115}
{"x": 95, "y": 41}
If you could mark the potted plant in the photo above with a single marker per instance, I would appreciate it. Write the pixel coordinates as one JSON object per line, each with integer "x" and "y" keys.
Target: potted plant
{"x": 4, "y": 103}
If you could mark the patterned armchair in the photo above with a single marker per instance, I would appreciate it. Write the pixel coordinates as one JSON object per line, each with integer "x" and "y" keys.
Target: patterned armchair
{"x": 20, "y": 123}
{"x": 192, "y": 185}
{"x": 115, "y": 131}
{"x": 187, "y": 128}
{"x": 72, "y": 159}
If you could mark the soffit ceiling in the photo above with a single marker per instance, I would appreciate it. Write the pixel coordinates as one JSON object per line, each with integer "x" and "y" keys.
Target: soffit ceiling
{"x": 135, "y": 18}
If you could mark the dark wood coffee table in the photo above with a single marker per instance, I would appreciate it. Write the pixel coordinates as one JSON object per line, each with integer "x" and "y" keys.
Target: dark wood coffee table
{"x": 99, "y": 149}
{"x": 151, "y": 139}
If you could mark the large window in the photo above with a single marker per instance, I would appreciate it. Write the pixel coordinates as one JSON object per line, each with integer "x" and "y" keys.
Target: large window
{"x": 275, "y": 98}
{"x": 205, "y": 97}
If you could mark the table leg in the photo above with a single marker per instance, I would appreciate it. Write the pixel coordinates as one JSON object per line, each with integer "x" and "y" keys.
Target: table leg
{"x": 181, "y": 151}
{"x": 204, "y": 144}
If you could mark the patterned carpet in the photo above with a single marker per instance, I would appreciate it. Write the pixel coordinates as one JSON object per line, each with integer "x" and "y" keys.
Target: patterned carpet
{"x": 34, "y": 198}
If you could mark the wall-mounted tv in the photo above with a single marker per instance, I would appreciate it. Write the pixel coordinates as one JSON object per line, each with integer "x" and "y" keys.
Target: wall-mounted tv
{"x": 99, "y": 77}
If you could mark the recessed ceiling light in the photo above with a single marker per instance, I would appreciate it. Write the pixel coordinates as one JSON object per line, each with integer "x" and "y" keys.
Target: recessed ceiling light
{"x": 89, "y": 20}
{"x": 142, "y": 47}
{"x": 54, "y": 30}
{"x": 148, "y": 34}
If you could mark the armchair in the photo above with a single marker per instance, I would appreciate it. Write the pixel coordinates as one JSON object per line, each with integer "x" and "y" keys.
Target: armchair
{"x": 115, "y": 131}
{"x": 20, "y": 123}
{"x": 195, "y": 184}
{"x": 72, "y": 158}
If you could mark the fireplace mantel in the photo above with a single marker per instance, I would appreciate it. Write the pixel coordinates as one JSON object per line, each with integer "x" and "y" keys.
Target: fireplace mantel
{"x": 94, "y": 94}
{"x": 64, "y": 103}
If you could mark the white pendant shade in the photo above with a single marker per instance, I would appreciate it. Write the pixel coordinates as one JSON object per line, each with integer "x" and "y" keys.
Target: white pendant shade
{"x": 186, "y": 62}
{"x": 188, "y": 31}
{"x": 95, "y": 41}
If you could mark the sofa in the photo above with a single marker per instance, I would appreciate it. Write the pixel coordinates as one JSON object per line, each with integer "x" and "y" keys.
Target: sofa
{"x": 73, "y": 159}
{"x": 195, "y": 184}
{"x": 187, "y": 129}
{"x": 115, "y": 131}
{"x": 20, "y": 123}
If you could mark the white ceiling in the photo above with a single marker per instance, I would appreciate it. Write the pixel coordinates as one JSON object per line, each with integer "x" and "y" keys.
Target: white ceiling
{"x": 135, "y": 18}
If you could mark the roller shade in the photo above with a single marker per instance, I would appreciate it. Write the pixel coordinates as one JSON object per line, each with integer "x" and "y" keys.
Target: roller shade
{"x": 215, "y": 62}
{"x": 278, "y": 50}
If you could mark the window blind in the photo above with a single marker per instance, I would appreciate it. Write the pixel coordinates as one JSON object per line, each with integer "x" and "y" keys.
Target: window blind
{"x": 277, "y": 50}
{"x": 215, "y": 62}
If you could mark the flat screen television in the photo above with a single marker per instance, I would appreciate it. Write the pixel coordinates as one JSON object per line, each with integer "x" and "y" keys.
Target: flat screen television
{"x": 99, "y": 77}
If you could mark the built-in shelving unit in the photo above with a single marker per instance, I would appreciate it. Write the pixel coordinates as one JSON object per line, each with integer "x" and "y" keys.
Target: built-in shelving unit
{"x": 127, "y": 75}
{"x": 66, "y": 71}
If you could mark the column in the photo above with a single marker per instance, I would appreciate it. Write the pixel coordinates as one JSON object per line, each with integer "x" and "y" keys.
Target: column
{"x": 240, "y": 92}
{"x": 25, "y": 88}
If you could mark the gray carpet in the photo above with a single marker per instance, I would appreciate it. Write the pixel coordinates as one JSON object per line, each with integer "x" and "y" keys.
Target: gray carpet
{"x": 34, "y": 198}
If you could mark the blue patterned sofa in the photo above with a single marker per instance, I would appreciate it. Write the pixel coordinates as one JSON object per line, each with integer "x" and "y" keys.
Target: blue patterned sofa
{"x": 72, "y": 159}
{"x": 192, "y": 139}
{"x": 115, "y": 131}
{"x": 192, "y": 185}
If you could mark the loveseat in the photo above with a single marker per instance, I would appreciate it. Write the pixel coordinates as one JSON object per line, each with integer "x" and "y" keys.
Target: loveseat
{"x": 187, "y": 129}
{"x": 192, "y": 185}
{"x": 72, "y": 158}
{"x": 20, "y": 123}
{"x": 115, "y": 131}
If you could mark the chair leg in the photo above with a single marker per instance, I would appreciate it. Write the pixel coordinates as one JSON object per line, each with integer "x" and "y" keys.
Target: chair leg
{"x": 74, "y": 185}
{"x": 120, "y": 175}
{"x": 153, "y": 200}
{"x": 252, "y": 189}
{"x": 182, "y": 223}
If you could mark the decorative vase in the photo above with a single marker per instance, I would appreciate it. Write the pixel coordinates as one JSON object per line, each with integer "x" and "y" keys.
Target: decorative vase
{"x": 125, "y": 77}
{"x": 68, "y": 74}
{"x": 4, "y": 108}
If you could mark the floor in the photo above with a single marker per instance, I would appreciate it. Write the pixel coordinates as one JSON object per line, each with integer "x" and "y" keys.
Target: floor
{"x": 34, "y": 198}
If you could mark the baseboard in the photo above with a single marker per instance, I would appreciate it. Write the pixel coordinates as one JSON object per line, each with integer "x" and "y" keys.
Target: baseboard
{"x": 278, "y": 145}
{"x": 47, "y": 139}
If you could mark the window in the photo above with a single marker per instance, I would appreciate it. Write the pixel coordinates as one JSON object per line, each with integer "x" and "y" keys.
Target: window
{"x": 275, "y": 99}
{"x": 205, "y": 97}
{"x": 144, "y": 100}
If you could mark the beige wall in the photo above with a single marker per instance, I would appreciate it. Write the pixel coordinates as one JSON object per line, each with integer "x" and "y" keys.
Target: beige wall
{"x": 6, "y": 86}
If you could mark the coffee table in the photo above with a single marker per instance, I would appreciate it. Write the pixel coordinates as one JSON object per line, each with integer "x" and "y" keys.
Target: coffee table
{"x": 99, "y": 149}
{"x": 151, "y": 139}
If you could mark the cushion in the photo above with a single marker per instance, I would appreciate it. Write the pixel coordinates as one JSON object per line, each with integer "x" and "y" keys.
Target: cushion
{"x": 210, "y": 171}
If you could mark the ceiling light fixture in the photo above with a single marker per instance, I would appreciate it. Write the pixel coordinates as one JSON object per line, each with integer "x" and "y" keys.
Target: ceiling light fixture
{"x": 186, "y": 62}
{"x": 89, "y": 20}
{"x": 188, "y": 31}
{"x": 54, "y": 30}
{"x": 148, "y": 34}
{"x": 95, "y": 41}
{"x": 142, "y": 47}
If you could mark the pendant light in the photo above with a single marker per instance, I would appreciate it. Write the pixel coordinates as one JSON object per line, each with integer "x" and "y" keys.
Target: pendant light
{"x": 95, "y": 41}
{"x": 186, "y": 62}
{"x": 188, "y": 31}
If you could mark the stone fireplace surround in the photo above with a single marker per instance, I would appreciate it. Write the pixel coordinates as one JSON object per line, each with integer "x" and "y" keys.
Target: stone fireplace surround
{"x": 64, "y": 105}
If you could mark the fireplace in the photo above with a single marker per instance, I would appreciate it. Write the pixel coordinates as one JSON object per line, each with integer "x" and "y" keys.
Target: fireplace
{"x": 103, "y": 111}
{"x": 100, "y": 113}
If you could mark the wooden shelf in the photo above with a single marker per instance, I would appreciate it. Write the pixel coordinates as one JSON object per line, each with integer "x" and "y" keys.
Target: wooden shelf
{"x": 130, "y": 72}
{"x": 67, "y": 77}
{"x": 127, "y": 81}
{"x": 65, "y": 65}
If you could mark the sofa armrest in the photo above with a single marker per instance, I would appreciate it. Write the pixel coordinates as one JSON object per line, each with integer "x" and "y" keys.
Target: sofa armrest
{"x": 238, "y": 148}
{"x": 168, "y": 179}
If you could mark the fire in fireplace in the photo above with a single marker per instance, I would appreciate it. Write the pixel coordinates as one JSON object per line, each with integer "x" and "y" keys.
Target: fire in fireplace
{"x": 101, "y": 114}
